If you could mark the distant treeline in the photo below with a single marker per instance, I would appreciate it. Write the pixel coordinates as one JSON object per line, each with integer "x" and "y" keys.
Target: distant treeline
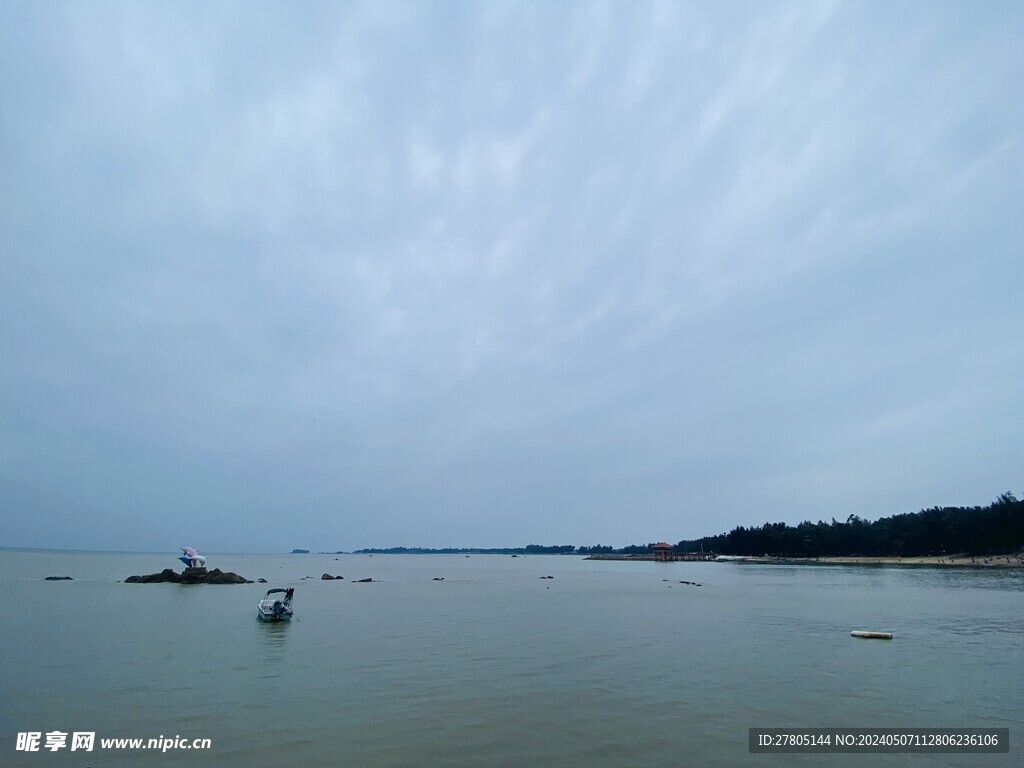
{"x": 530, "y": 549}
{"x": 994, "y": 529}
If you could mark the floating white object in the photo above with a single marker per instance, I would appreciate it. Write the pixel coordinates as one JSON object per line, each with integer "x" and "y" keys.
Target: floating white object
{"x": 872, "y": 635}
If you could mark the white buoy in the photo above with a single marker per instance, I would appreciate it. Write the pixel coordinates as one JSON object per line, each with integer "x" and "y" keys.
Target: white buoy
{"x": 872, "y": 635}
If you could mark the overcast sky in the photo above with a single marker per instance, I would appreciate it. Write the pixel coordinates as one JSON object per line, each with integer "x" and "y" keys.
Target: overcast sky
{"x": 332, "y": 276}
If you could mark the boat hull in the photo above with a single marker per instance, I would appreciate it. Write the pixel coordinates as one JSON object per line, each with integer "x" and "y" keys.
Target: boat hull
{"x": 265, "y": 611}
{"x": 262, "y": 616}
{"x": 271, "y": 608}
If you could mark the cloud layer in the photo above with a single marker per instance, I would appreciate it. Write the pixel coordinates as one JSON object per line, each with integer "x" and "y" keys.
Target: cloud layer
{"x": 497, "y": 273}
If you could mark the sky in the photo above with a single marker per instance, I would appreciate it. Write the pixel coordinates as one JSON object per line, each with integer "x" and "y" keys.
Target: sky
{"x": 457, "y": 274}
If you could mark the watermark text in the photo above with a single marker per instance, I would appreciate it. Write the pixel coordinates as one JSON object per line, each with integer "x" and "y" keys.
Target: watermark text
{"x": 86, "y": 741}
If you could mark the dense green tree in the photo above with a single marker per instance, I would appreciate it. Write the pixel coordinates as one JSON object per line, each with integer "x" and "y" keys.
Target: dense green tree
{"x": 996, "y": 528}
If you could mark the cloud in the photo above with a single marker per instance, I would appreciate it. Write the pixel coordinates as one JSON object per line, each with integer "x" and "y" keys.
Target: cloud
{"x": 587, "y": 270}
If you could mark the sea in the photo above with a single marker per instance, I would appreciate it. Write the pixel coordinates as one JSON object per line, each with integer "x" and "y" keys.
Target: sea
{"x": 492, "y": 660}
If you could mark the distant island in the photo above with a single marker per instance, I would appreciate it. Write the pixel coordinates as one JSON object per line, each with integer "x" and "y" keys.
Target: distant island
{"x": 300, "y": 551}
{"x": 997, "y": 529}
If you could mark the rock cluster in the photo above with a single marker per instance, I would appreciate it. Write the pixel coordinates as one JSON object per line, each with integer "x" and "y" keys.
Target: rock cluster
{"x": 189, "y": 576}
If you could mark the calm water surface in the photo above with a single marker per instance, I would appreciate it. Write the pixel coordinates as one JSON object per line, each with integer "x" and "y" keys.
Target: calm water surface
{"x": 607, "y": 664}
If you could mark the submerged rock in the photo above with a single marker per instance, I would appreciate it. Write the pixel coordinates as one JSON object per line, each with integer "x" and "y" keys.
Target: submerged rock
{"x": 189, "y": 576}
{"x": 361, "y": 581}
{"x": 58, "y": 578}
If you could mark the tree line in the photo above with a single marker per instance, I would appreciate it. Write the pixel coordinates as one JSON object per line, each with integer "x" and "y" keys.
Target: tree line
{"x": 529, "y": 549}
{"x": 995, "y": 529}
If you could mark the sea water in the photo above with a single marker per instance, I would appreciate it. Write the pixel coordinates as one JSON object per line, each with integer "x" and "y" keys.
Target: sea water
{"x": 606, "y": 664}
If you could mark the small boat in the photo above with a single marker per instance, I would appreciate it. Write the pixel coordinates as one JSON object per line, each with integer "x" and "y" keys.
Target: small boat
{"x": 276, "y": 605}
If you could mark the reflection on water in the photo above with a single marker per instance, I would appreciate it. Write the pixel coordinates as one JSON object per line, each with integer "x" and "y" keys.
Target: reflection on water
{"x": 273, "y": 637}
{"x": 273, "y": 633}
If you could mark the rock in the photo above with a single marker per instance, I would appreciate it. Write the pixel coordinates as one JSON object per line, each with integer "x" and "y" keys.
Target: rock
{"x": 189, "y": 576}
{"x": 262, "y": 581}
{"x": 217, "y": 576}
{"x": 327, "y": 577}
{"x": 439, "y": 578}
{"x": 165, "y": 576}
{"x": 59, "y": 578}
{"x": 361, "y": 581}
{"x": 195, "y": 575}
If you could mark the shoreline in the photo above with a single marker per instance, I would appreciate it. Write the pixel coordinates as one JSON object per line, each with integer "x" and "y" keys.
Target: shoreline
{"x": 1015, "y": 560}
{"x": 940, "y": 561}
